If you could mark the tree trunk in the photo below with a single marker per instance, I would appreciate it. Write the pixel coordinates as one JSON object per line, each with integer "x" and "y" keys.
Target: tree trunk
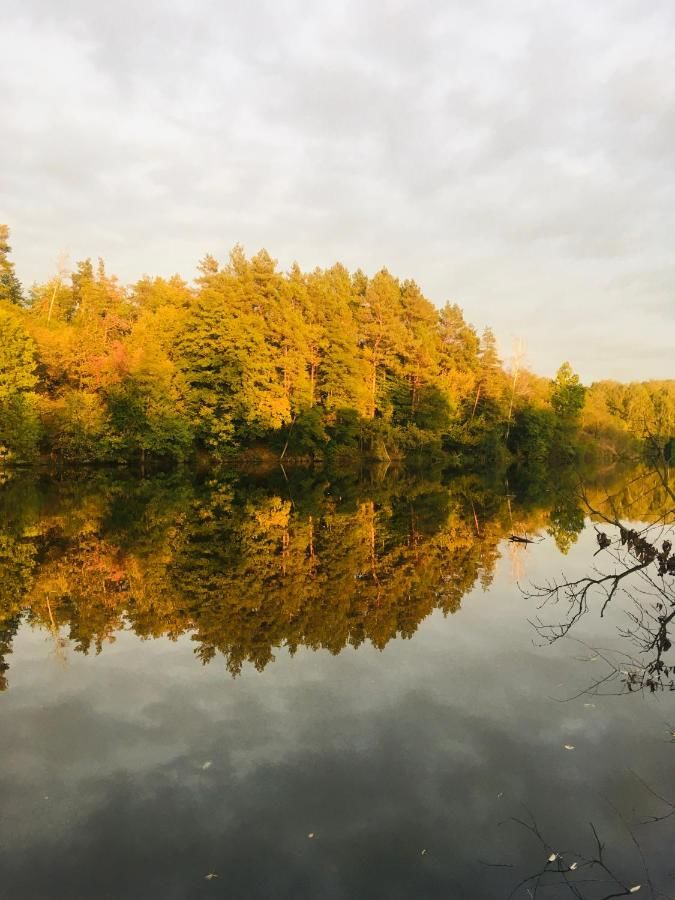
{"x": 312, "y": 377}
{"x": 473, "y": 413}
{"x": 373, "y": 391}
{"x": 51, "y": 302}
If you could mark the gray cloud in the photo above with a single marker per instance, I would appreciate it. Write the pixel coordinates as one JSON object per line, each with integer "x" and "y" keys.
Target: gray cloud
{"x": 515, "y": 158}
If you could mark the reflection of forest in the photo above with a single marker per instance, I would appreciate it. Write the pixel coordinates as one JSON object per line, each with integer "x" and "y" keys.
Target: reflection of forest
{"x": 245, "y": 565}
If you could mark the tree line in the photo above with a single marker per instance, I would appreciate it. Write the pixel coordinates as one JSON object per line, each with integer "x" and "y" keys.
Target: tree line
{"x": 303, "y": 363}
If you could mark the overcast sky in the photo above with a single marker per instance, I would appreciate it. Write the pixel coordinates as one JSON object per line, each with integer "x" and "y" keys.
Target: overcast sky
{"x": 515, "y": 157}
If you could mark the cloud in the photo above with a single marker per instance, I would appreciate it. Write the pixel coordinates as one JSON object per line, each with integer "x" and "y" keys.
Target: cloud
{"x": 510, "y": 157}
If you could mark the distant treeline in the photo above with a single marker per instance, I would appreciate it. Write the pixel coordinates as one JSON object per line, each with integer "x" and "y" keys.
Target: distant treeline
{"x": 304, "y": 364}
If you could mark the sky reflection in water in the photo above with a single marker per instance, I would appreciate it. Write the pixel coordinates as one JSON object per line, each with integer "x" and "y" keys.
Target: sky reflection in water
{"x": 138, "y": 771}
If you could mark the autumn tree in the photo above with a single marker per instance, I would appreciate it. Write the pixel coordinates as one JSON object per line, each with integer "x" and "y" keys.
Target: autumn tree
{"x": 380, "y": 334}
{"x": 147, "y": 405}
{"x": 341, "y": 371}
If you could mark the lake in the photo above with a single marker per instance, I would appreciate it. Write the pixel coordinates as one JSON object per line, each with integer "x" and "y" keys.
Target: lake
{"x": 309, "y": 684}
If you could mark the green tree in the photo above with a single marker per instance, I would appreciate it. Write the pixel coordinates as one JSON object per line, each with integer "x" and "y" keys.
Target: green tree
{"x": 19, "y": 427}
{"x": 10, "y": 286}
{"x": 567, "y": 395}
{"x": 232, "y": 374}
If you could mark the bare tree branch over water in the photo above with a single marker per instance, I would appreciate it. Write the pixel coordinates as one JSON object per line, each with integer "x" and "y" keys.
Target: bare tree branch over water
{"x": 637, "y": 563}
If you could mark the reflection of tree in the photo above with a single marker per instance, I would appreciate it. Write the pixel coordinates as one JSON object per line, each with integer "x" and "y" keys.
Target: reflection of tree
{"x": 17, "y": 562}
{"x": 637, "y": 563}
{"x": 567, "y": 522}
{"x": 246, "y": 565}
{"x": 594, "y": 874}
{"x": 8, "y": 629}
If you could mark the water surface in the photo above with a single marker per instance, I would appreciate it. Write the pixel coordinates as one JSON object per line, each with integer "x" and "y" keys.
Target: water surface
{"x": 313, "y": 686}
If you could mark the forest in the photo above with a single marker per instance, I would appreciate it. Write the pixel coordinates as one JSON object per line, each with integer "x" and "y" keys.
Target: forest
{"x": 252, "y": 360}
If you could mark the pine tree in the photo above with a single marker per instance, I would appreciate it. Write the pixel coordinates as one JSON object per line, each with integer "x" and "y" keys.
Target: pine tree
{"x": 458, "y": 358}
{"x": 381, "y": 334}
{"x": 418, "y": 354}
{"x": 10, "y": 286}
{"x": 342, "y": 371}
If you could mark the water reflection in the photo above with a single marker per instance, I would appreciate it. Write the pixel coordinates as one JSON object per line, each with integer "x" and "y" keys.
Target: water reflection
{"x": 138, "y": 773}
{"x": 246, "y": 565}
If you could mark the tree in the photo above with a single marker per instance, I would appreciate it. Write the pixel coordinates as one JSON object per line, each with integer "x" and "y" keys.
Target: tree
{"x": 53, "y": 301}
{"x": 485, "y": 412}
{"x": 417, "y": 355}
{"x": 458, "y": 360}
{"x": 19, "y": 428}
{"x": 567, "y": 395}
{"x": 147, "y": 405}
{"x": 232, "y": 373}
{"x": 151, "y": 294}
{"x": 516, "y": 365}
{"x": 325, "y": 360}
{"x": 10, "y": 286}
{"x": 380, "y": 333}
{"x": 491, "y": 381}
{"x": 341, "y": 374}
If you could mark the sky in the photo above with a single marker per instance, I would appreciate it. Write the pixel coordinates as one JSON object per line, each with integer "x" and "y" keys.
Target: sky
{"x": 517, "y": 158}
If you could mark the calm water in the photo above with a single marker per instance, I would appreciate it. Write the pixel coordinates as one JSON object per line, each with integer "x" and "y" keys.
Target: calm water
{"x": 314, "y": 687}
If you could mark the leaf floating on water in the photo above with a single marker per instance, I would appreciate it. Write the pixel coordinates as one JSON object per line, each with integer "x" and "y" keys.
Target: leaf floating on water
{"x": 569, "y": 746}
{"x": 553, "y": 857}
{"x": 210, "y": 876}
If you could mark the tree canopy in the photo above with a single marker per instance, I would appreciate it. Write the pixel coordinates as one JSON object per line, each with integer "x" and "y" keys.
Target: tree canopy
{"x": 302, "y": 363}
